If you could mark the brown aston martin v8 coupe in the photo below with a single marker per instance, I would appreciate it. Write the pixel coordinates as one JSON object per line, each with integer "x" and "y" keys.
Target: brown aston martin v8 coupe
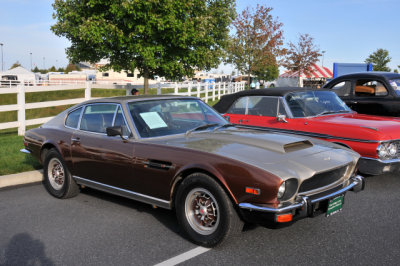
{"x": 178, "y": 153}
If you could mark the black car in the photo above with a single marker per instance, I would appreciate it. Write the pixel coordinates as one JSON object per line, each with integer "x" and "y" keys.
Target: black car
{"x": 376, "y": 93}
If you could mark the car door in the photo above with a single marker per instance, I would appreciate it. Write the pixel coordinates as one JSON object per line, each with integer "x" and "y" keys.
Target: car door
{"x": 370, "y": 97}
{"x": 98, "y": 157}
{"x": 262, "y": 111}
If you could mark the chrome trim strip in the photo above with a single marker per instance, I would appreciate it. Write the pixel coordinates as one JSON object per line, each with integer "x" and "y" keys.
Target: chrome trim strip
{"x": 25, "y": 151}
{"x": 123, "y": 192}
{"x": 357, "y": 181}
{"x": 309, "y": 134}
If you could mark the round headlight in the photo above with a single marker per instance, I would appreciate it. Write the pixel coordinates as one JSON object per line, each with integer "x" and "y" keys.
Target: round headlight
{"x": 392, "y": 149}
{"x": 281, "y": 190}
{"x": 382, "y": 152}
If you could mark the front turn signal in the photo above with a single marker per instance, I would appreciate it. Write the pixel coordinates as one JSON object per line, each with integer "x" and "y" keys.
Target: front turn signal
{"x": 284, "y": 218}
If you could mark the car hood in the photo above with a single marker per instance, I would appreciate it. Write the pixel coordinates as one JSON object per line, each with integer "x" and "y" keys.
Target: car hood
{"x": 373, "y": 127}
{"x": 286, "y": 156}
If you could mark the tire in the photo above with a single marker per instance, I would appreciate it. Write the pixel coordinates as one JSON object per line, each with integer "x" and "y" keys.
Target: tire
{"x": 211, "y": 225}
{"x": 57, "y": 179}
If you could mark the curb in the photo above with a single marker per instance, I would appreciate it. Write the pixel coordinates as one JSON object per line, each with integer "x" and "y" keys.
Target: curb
{"x": 21, "y": 178}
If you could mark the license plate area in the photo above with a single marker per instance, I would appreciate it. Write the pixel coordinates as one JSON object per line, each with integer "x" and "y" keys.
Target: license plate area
{"x": 335, "y": 205}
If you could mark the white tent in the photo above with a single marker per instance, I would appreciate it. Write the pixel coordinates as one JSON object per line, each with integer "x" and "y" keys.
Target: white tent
{"x": 21, "y": 73}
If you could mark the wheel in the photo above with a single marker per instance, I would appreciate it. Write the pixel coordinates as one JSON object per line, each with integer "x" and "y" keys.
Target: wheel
{"x": 205, "y": 212}
{"x": 57, "y": 179}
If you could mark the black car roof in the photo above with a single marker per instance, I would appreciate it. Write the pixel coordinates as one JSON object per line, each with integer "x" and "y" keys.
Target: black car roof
{"x": 372, "y": 74}
{"x": 227, "y": 100}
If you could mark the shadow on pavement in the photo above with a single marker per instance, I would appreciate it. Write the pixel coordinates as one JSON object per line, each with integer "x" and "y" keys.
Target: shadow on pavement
{"x": 24, "y": 250}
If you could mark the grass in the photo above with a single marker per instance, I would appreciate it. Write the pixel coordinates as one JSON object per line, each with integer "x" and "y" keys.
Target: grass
{"x": 11, "y": 159}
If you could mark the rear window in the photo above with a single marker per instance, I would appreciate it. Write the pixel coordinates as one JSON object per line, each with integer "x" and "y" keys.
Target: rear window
{"x": 73, "y": 118}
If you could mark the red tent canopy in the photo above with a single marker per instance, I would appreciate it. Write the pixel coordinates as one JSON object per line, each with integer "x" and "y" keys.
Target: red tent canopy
{"x": 315, "y": 72}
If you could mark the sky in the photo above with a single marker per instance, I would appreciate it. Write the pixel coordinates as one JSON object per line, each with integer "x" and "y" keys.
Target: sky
{"x": 347, "y": 30}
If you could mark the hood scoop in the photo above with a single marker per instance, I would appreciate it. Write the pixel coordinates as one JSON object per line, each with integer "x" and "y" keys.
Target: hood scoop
{"x": 273, "y": 142}
{"x": 295, "y": 146}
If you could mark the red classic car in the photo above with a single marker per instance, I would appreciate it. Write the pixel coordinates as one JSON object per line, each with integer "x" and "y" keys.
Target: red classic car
{"x": 321, "y": 114}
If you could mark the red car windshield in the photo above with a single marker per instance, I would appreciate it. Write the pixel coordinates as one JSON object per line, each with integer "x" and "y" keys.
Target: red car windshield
{"x": 315, "y": 103}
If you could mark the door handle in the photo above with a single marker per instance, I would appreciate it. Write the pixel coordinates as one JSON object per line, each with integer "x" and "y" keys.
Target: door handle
{"x": 75, "y": 139}
{"x": 243, "y": 120}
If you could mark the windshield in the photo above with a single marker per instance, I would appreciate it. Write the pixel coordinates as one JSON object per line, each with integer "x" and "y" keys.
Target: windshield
{"x": 313, "y": 103}
{"x": 175, "y": 116}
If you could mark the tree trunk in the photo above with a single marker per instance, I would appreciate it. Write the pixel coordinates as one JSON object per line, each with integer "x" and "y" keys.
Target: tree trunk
{"x": 146, "y": 81}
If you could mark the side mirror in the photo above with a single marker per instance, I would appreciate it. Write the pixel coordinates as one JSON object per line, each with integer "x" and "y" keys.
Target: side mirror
{"x": 281, "y": 118}
{"x": 114, "y": 131}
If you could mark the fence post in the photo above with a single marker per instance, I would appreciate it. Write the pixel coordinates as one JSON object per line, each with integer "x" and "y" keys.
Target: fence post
{"x": 88, "y": 91}
{"x": 219, "y": 90}
{"x": 206, "y": 89}
{"x": 128, "y": 89}
{"x": 213, "y": 90}
{"x": 158, "y": 88}
{"x": 176, "y": 88}
{"x": 190, "y": 89}
{"x": 21, "y": 110}
{"x": 198, "y": 90}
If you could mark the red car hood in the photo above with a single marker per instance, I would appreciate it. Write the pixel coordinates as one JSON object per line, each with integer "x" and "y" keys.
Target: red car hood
{"x": 384, "y": 127}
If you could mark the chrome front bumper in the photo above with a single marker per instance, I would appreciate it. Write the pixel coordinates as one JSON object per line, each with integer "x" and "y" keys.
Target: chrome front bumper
{"x": 374, "y": 166}
{"x": 303, "y": 205}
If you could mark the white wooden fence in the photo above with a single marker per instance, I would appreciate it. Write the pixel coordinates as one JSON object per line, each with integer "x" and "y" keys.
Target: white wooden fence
{"x": 201, "y": 90}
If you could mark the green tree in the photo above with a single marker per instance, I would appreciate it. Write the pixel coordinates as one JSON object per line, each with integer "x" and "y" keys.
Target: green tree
{"x": 257, "y": 40}
{"x": 16, "y": 64}
{"x": 36, "y": 69}
{"x": 301, "y": 55}
{"x": 60, "y": 69}
{"x": 72, "y": 67}
{"x": 52, "y": 69}
{"x": 169, "y": 38}
{"x": 379, "y": 59}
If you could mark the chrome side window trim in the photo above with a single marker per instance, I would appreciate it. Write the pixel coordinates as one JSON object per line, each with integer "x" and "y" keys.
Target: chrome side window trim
{"x": 123, "y": 116}
{"x": 115, "y": 115}
{"x": 123, "y": 192}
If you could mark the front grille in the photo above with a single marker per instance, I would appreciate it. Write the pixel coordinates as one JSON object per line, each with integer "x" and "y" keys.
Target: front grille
{"x": 323, "y": 179}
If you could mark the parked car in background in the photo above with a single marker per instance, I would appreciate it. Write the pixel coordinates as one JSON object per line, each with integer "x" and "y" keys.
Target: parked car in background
{"x": 178, "y": 153}
{"x": 375, "y": 93}
{"x": 321, "y": 114}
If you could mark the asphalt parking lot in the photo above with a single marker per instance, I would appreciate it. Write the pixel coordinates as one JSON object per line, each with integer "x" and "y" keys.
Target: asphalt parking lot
{"x": 95, "y": 228}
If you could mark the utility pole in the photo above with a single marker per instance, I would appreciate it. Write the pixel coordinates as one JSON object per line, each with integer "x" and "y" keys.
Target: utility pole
{"x": 2, "y": 65}
{"x": 31, "y": 59}
{"x": 323, "y": 54}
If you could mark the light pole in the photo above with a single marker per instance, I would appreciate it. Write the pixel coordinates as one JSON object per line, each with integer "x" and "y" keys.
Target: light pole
{"x": 31, "y": 59}
{"x": 323, "y": 54}
{"x": 2, "y": 65}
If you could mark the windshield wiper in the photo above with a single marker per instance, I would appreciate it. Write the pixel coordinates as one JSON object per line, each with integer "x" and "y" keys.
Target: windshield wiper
{"x": 332, "y": 112}
{"x": 224, "y": 125}
{"x": 205, "y": 126}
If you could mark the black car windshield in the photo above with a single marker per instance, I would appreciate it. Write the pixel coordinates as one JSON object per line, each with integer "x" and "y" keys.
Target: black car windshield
{"x": 156, "y": 118}
{"x": 314, "y": 103}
